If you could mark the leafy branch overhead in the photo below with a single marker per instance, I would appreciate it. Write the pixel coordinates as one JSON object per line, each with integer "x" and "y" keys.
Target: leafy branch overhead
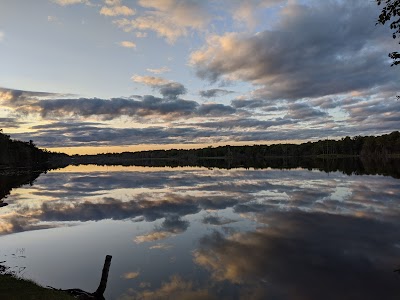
{"x": 391, "y": 13}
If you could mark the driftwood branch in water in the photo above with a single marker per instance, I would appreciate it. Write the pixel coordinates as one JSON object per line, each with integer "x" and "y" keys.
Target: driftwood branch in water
{"x": 104, "y": 276}
{"x": 99, "y": 293}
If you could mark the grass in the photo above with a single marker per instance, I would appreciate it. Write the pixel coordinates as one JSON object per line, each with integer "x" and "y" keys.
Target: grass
{"x": 15, "y": 288}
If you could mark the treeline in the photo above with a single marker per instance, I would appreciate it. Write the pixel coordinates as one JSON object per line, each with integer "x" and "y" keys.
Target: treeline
{"x": 15, "y": 180}
{"x": 15, "y": 153}
{"x": 383, "y": 146}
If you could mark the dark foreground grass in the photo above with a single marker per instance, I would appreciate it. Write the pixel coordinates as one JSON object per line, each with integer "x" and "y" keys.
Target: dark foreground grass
{"x": 14, "y": 288}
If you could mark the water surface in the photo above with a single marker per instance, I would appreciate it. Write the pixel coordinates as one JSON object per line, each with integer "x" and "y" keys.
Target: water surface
{"x": 198, "y": 233}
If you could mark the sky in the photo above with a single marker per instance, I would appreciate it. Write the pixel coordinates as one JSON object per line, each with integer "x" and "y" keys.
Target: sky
{"x": 95, "y": 76}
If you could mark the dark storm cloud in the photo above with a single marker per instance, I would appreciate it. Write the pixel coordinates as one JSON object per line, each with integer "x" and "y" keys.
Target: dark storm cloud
{"x": 329, "y": 47}
{"x": 214, "y": 93}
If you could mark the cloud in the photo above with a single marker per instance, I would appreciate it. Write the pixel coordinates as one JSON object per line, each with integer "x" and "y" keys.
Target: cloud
{"x": 114, "y": 11}
{"x": 127, "y": 44}
{"x": 44, "y": 104}
{"x": 159, "y": 70}
{"x": 10, "y": 123}
{"x": 56, "y": 134}
{"x": 78, "y": 198}
{"x": 214, "y": 93}
{"x": 130, "y": 275}
{"x": 52, "y": 19}
{"x": 151, "y": 237}
{"x": 150, "y": 80}
{"x": 172, "y": 225}
{"x": 112, "y": 2}
{"x": 164, "y": 28}
{"x": 217, "y": 220}
{"x": 303, "y": 55}
{"x": 175, "y": 288}
{"x": 1, "y": 36}
{"x": 243, "y": 123}
{"x": 140, "y": 35}
{"x": 317, "y": 246}
{"x": 214, "y": 109}
{"x": 113, "y": 108}
{"x": 168, "y": 89}
{"x": 71, "y": 2}
{"x": 12, "y": 96}
{"x": 304, "y": 112}
{"x": 161, "y": 246}
{"x": 246, "y": 11}
{"x": 172, "y": 90}
{"x": 183, "y": 13}
{"x": 249, "y": 104}
{"x": 169, "y": 19}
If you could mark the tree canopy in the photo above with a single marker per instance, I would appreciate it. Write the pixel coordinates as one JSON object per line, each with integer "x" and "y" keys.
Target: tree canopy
{"x": 391, "y": 13}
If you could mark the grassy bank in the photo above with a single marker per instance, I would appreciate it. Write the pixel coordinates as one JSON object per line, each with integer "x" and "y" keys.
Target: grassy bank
{"x": 13, "y": 288}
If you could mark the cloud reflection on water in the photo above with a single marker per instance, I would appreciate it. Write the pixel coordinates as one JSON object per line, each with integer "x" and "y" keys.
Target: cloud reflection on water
{"x": 240, "y": 234}
{"x": 303, "y": 255}
{"x": 72, "y": 197}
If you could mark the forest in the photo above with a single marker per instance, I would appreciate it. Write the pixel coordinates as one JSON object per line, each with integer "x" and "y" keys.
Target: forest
{"x": 19, "y": 154}
{"x": 384, "y": 146}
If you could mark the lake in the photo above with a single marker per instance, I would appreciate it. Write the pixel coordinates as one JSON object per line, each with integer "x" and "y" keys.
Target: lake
{"x": 205, "y": 233}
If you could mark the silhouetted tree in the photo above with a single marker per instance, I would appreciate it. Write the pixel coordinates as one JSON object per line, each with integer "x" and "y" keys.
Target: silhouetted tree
{"x": 391, "y": 13}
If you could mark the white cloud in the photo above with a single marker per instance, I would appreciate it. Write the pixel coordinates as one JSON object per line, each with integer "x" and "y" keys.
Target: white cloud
{"x": 117, "y": 11}
{"x": 141, "y": 35}
{"x": 112, "y": 2}
{"x": 70, "y": 2}
{"x": 127, "y": 44}
{"x": 150, "y": 80}
{"x": 151, "y": 237}
{"x": 164, "y": 27}
{"x": 170, "y": 19}
{"x": 246, "y": 11}
{"x": 52, "y": 19}
{"x": 159, "y": 70}
{"x": 130, "y": 275}
{"x": 183, "y": 13}
{"x": 1, "y": 36}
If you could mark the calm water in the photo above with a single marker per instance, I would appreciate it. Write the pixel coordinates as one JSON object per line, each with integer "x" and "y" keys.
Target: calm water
{"x": 197, "y": 233}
